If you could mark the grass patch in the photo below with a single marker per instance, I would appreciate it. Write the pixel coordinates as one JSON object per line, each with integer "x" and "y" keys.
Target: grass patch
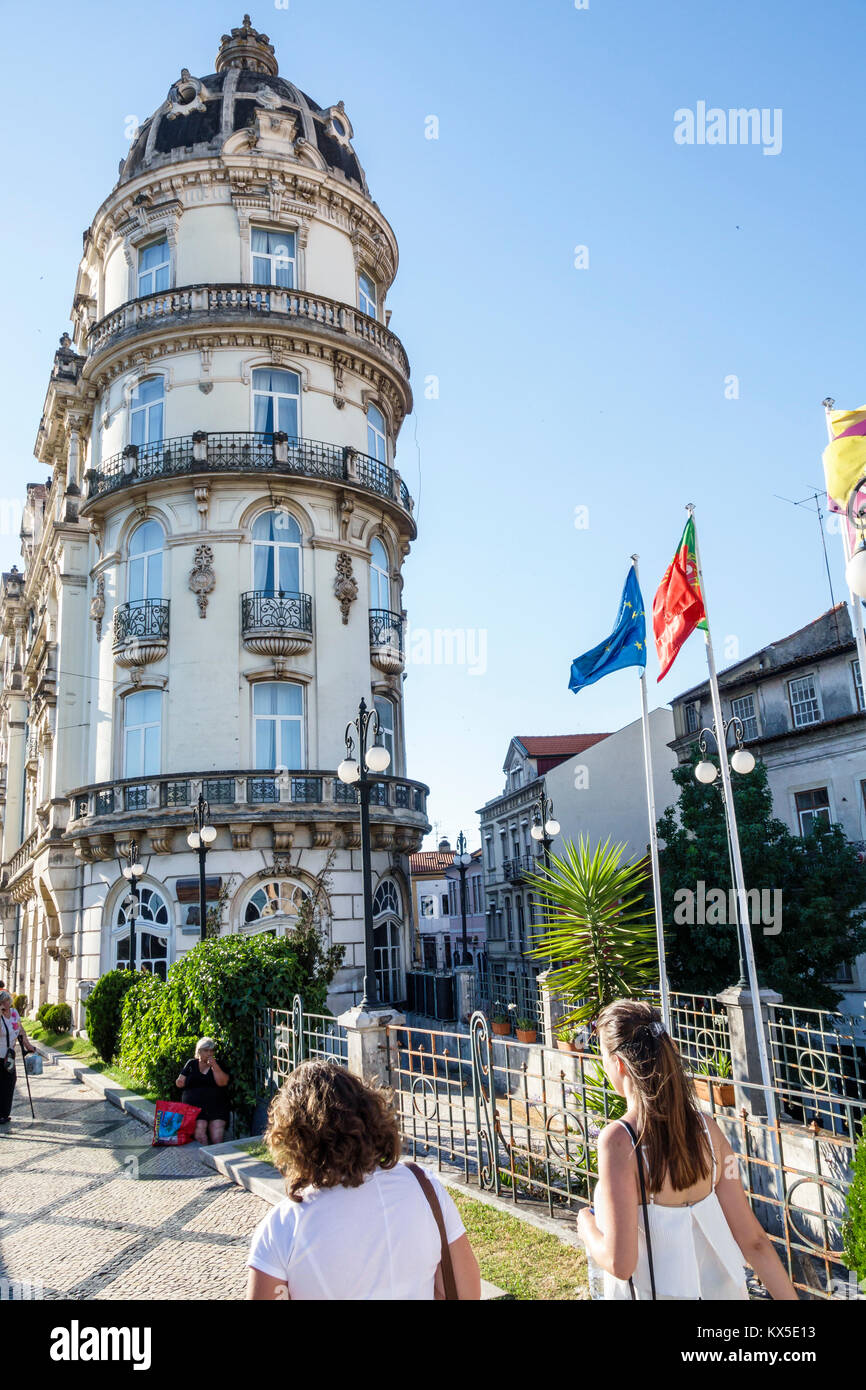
{"x": 256, "y": 1149}
{"x": 83, "y": 1051}
{"x": 527, "y": 1263}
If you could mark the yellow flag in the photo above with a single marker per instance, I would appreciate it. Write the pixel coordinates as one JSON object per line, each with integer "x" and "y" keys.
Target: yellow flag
{"x": 845, "y": 455}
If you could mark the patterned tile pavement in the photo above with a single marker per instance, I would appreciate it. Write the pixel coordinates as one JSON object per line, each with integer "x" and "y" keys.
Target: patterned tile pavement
{"x": 91, "y": 1211}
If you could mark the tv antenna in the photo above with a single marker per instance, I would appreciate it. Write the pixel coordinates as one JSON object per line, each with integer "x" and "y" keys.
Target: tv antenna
{"x": 815, "y": 497}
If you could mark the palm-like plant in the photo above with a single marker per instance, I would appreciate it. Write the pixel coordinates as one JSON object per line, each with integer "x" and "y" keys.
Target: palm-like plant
{"x": 594, "y": 929}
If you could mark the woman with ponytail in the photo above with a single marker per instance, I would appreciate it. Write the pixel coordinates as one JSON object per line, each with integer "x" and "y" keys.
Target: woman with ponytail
{"x": 671, "y": 1218}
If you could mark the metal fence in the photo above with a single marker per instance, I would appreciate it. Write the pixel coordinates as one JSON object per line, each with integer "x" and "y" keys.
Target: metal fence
{"x": 511, "y": 995}
{"x": 286, "y": 1037}
{"x": 818, "y": 1061}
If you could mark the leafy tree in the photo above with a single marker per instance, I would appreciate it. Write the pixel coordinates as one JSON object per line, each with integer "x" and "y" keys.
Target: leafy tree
{"x": 595, "y": 927}
{"x": 821, "y": 881}
{"x": 854, "y": 1228}
{"x": 103, "y": 1010}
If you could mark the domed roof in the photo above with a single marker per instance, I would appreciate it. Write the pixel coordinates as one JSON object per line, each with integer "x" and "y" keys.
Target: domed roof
{"x": 200, "y": 115}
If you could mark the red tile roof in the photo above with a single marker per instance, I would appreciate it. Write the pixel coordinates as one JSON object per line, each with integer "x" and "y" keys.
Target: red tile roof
{"x": 541, "y": 745}
{"x": 430, "y": 861}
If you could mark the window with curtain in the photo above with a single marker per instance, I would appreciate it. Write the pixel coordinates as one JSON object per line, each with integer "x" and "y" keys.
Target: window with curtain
{"x": 278, "y": 718}
{"x": 377, "y": 438}
{"x": 368, "y": 296}
{"x": 277, "y": 563}
{"x": 142, "y": 733}
{"x": 380, "y": 578}
{"x": 151, "y": 934}
{"x": 145, "y": 562}
{"x": 273, "y": 258}
{"x": 146, "y": 412}
{"x": 276, "y": 401}
{"x": 385, "y": 712}
{"x": 154, "y": 268}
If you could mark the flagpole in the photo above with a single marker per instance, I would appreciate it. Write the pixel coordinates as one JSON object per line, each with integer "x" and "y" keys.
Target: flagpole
{"x": 734, "y": 839}
{"x": 856, "y": 601}
{"x": 654, "y": 840}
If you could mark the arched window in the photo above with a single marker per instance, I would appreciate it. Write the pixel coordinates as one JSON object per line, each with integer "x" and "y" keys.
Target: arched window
{"x": 145, "y": 562}
{"x": 152, "y": 930}
{"x": 273, "y": 907}
{"x": 277, "y": 553}
{"x": 276, "y": 401}
{"x": 377, "y": 438}
{"x": 380, "y": 576}
{"x": 146, "y": 412}
{"x": 385, "y": 712}
{"x": 388, "y": 942}
{"x": 142, "y": 733}
{"x": 278, "y": 719}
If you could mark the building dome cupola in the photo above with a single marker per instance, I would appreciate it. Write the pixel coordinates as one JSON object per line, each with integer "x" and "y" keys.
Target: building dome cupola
{"x": 246, "y": 48}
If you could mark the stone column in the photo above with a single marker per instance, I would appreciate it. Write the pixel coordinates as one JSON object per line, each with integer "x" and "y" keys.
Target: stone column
{"x": 553, "y": 1009}
{"x": 365, "y": 1038}
{"x": 464, "y": 992}
{"x": 745, "y": 1062}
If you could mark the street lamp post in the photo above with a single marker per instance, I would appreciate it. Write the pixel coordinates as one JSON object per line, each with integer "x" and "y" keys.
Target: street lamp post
{"x": 373, "y": 758}
{"x": 544, "y": 827}
{"x": 200, "y": 838}
{"x": 742, "y": 761}
{"x": 133, "y": 872}
{"x": 461, "y": 862}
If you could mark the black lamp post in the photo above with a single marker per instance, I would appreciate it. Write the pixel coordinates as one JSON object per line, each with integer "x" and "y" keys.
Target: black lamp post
{"x": 461, "y": 861}
{"x": 544, "y": 827}
{"x": 743, "y": 762}
{"x": 374, "y": 758}
{"x": 200, "y": 838}
{"x": 133, "y": 872}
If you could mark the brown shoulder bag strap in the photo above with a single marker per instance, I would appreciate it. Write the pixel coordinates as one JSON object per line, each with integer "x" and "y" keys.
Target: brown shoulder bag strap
{"x": 433, "y": 1201}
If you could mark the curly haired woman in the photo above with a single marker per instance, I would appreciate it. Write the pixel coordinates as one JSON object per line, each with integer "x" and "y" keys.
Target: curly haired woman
{"x": 356, "y": 1223}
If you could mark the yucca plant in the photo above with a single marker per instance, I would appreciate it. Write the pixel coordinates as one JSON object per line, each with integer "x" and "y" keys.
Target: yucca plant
{"x": 594, "y": 930}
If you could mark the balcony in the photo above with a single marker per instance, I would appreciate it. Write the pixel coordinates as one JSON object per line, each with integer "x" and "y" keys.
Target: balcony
{"x": 140, "y": 632}
{"x": 208, "y": 306}
{"x": 517, "y": 870}
{"x": 245, "y": 452}
{"x": 386, "y": 640}
{"x": 276, "y": 623}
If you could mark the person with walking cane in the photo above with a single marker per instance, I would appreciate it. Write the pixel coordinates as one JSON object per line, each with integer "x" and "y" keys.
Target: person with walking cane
{"x": 11, "y": 1030}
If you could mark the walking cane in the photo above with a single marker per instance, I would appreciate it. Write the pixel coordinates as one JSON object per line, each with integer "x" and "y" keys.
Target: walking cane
{"x": 27, "y": 1077}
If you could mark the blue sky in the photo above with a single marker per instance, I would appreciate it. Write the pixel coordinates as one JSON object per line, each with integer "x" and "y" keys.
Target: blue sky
{"x": 559, "y": 388}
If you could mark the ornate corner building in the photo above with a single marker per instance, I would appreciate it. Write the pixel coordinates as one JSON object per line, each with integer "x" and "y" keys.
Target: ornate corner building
{"x": 212, "y": 570}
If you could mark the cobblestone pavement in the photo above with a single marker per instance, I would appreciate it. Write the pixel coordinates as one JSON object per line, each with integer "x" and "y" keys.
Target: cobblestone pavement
{"x": 90, "y": 1210}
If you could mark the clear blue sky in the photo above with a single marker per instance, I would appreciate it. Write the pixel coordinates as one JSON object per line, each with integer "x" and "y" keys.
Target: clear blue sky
{"x": 559, "y": 387}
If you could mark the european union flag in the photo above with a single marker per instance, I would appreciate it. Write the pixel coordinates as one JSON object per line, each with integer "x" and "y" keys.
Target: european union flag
{"x": 626, "y": 645}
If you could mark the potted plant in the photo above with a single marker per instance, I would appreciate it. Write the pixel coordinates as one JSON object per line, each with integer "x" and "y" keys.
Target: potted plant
{"x": 526, "y": 1030}
{"x": 500, "y": 1021}
{"x": 706, "y": 1074}
{"x": 566, "y": 1038}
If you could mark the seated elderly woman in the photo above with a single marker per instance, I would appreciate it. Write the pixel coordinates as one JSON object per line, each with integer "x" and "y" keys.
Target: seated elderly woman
{"x": 357, "y": 1223}
{"x": 203, "y": 1081}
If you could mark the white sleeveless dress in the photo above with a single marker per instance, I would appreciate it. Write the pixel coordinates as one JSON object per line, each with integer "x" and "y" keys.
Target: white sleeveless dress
{"x": 694, "y": 1254}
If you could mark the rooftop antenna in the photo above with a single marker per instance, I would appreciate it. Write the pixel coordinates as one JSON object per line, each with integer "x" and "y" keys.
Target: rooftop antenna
{"x": 815, "y": 497}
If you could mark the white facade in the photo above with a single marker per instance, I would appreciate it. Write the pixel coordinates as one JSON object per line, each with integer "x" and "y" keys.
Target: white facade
{"x": 213, "y": 577}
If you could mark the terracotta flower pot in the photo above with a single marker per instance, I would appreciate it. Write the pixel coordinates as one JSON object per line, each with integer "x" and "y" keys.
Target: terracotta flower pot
{"x": 566, "y": 1046}
{"x": 526, "y": 1035}
{"x": 723, "y": 1091}
{"x": 502, "y": 1030}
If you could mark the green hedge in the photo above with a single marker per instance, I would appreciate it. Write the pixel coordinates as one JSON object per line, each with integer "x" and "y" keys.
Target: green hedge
{"x": 19, "y": 1002}
{"x": 56, "y": 1018}
{"x": 854, "y": 1229}
{"x": 104, "y": 1011}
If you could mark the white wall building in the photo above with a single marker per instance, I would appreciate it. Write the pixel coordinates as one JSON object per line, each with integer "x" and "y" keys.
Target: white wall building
{"x": 212, "y": 572}
{"x": 437, "y": 908}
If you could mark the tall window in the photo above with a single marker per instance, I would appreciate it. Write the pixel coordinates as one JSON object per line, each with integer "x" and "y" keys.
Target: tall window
{"x": 692, "y": 718}
{"x": 804, "y": 701}
{"x": 142, "y": 733}
{"x": 151, "y": 934}
{"x": 153, "y": 268}
{"x": 278, "y": 716}
{"x": 521, "y": 923}
{"x": 273, "y": 258}
{"x": 276, "y": 401}
{"x": 377, "y": 438}
{"x": 277, "y": 553}
{"x": 812, "y": 806}
{"x": 146, "y": 412}
{"x": 858, "y": 685}
{"x": 744, "y": 709}
{"x": 387, "y": 942}
{"x": 385, "y": 711}
{"x": 380, "y": 578}
{"x": 368, "y": 299}
{"x": 145, "y": 562}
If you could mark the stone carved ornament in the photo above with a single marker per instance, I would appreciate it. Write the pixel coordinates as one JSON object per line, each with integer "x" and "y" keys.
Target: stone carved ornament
{"x": 202, "y": 579}
{"x": 97, "y": 606}
{"x": 345, "y": 586}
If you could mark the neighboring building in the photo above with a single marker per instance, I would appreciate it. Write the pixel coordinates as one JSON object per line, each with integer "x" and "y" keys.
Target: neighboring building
{"x": 436, "y": 909}
{"x": 510, "y": 853}
{"x": 801, "y": 704}
{"x": 213, "y": 567}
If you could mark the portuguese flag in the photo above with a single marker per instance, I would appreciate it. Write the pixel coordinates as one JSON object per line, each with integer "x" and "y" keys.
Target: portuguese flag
{"x": 678, "y": 607}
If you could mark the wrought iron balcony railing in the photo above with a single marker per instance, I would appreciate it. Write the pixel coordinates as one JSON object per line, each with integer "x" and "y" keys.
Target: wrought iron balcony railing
{"x": 517, "y": 869}
{"x": 386, "y": 639}
{"x": 246, "y": 451}
{"x": 266, "y": 611}
{"x": 189, "y": 305}
{"x": 143, "y": 619}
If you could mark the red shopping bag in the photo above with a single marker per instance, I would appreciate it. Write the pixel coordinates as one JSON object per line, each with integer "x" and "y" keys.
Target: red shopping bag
{"x": 174, "y": 1122}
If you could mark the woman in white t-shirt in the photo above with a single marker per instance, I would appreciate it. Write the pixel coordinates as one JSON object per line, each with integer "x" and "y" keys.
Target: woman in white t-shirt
{"x": 356, "y": 1223}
